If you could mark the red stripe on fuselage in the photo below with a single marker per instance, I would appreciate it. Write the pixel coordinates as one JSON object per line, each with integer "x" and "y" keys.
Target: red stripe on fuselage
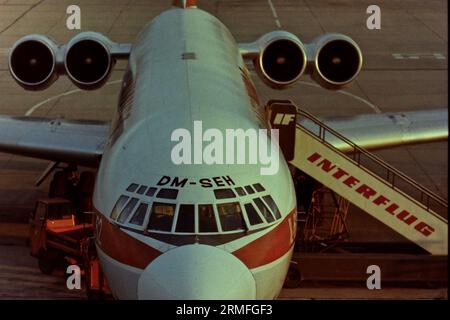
{"x": 127, "y": 250}
{"x": 184, "y": 3}
{"x": 122, "y": 247}
{"x": 271, "y": 246}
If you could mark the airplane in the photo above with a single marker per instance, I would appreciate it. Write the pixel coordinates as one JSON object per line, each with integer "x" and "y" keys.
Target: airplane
{"x": 189, "y": 231}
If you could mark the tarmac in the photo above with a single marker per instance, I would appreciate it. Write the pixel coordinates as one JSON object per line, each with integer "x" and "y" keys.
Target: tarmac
{"x": 405, "y": 69}
{"x": 20, "y": 279}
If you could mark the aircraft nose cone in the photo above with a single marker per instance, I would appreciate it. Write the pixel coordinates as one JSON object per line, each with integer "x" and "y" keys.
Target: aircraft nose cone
{"x": 196, "y": 272}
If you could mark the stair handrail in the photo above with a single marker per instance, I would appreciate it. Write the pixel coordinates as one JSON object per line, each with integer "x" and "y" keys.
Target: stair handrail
{"x": 391, "y": 171}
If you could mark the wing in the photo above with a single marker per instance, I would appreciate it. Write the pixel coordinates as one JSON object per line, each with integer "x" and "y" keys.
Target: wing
{"x": 74, "y": 141}
{"x": 377, "y": 131}
{"x": 82, "y": 141}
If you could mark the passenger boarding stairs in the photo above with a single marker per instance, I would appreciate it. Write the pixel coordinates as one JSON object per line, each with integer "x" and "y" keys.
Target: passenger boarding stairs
{"x": 363, "y": 179}
{"x": 326, "y": 218}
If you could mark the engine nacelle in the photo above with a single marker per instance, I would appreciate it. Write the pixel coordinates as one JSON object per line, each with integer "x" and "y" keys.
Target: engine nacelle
{"x": 281, "y": 59}
{"x": 335, "y": 60}
{"x": 33, "y": 62}
{"x": 88, "y": 60}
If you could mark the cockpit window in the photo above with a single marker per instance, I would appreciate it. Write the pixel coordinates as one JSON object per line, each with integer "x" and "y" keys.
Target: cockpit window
{"x": 150, "y": 192}
{"x": 118, "y": 206}
{"x": 272, "y": 205}
{"x": 239, "y": 214}
{"x": 258, "y": 187}
{"x": 167, "y": 193}
{"x": 186, "y": 218}
{"x": 252, "y": 214}
{"x": 240, "y": 191}
{"x": 142, "y": 189}
{"x": 264, "y": 210}
{"x": 132, "y": 187}
{"x": 206, "y": 218}
{"x": 230, "y": 215}
{"x": 249, "y": 189}
{"x": 224, "y": 193}
{"x": 127, "y": 210}
{"x": 139, "y": 215}
{"x": 161, "y": 217}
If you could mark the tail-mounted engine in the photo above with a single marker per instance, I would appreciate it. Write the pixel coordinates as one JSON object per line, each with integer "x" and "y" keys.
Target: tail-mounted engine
{"x": 36, "y": 61}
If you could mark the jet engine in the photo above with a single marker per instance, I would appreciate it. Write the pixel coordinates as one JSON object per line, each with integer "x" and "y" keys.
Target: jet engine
{"x": 33, "y": 62}
{"x": 88, "y": 60}
{"x": 36, "y": 61}
{"x": 281, "y": 59}
{"x": 336, "y": 60}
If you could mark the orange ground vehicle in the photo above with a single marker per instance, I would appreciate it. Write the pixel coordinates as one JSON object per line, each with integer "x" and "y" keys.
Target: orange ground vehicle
{"x": 59, "y": 237}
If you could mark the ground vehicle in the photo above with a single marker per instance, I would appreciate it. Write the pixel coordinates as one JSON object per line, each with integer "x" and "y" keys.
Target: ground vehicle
{"x": 60, "y": 236}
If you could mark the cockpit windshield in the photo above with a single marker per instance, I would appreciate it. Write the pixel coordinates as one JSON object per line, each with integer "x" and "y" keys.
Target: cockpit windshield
{"x": 161, "y": 217}
{"x": 238, "y": 209}
{"x": 230, "y": 215}
{"x": 264, "y": 210}
{"x": 206, "y": 218}
{"x": 139, "y": 216}
{"x": 128, "y": 210}
{"x": 186, "y": 218}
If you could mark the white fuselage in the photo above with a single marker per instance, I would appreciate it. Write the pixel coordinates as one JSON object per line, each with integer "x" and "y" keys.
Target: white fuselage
{"x": 185, "y": 67}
